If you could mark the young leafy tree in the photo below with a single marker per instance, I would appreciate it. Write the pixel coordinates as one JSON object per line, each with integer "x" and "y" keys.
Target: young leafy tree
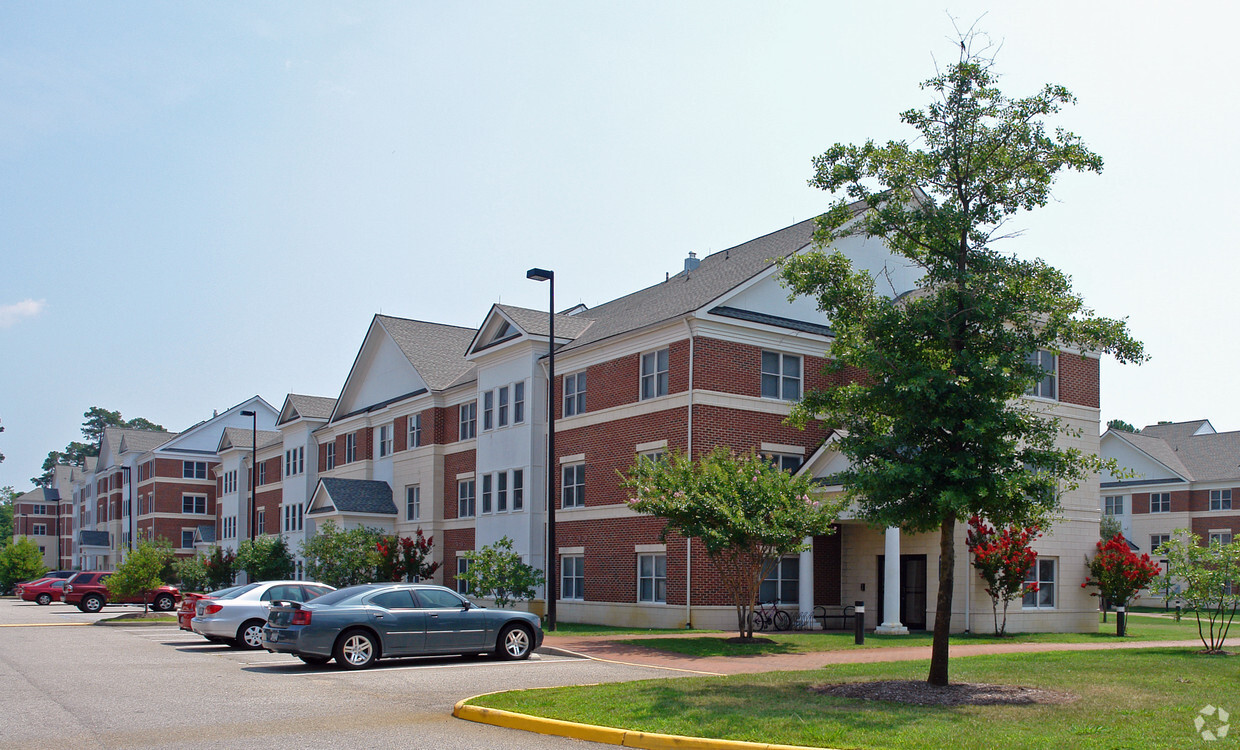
{"x": 1002, "y": 558}
{"x": 415, "y": 553}
{"x": 220, "y": 567}
{"x": 141, "y": 571}
{"x": 20, "y": 561}
{"x": 7, "y": 496}
{"x": 936, "y": 430}
{"x": 1109, "y": 526}
{"x": 1118, "y": 572}
{"x": 1205, "y": 577}
{"x": 191, "y": 573}
{"x": 496, "y": 572}
{"x": 342, "y": 558}
{"x": 267, "y": 558}
{"x": 746, "y": 513}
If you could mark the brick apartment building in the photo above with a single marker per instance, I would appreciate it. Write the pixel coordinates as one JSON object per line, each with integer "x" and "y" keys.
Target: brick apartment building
{"x": 1183, "y": 476}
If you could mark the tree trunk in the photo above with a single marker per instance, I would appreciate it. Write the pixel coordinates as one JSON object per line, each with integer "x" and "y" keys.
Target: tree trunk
{"x": 943, "y": 609}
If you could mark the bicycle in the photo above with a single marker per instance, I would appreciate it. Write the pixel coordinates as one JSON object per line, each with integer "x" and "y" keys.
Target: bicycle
{"x": 766, "y": 614}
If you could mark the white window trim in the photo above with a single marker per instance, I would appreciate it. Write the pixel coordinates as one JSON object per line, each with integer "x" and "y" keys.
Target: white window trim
{"x": 1055, "y": 582}
{"x": 654, "y": 600}
{"x": 780, "y": 377}
{"x": 641, "y": 374}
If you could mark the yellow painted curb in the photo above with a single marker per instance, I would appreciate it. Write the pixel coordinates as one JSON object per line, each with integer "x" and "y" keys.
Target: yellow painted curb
{"x": 605, "y": 735}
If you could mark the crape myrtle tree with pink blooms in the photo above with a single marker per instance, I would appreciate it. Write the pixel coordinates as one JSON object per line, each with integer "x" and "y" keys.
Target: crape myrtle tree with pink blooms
{"x": 746, "y": 512}
{"x": 1003, "y": 558}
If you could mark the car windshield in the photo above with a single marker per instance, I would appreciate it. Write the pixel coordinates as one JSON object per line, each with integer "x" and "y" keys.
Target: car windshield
{"x": 238, "y": 591}
{"x": 340, "y": 595}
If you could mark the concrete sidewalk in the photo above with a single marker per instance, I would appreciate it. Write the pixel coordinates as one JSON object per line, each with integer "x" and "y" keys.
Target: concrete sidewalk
{"x": 614, "y": 649}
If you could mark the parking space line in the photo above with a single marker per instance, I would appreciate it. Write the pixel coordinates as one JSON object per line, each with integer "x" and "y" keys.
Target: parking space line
{"x": 43, "y": 624}
{"x": 406, "y": 667}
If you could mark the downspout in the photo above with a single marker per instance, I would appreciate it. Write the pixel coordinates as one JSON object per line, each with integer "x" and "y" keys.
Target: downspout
{"x": 689, "y": 450}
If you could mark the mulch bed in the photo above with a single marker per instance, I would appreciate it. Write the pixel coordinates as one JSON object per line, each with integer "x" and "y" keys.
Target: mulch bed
{"x": 922, "y": 693}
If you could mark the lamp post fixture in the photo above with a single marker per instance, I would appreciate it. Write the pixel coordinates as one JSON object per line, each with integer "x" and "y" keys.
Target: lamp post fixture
{"x": 539, "y": 274}
{"x": 253, "y": 466}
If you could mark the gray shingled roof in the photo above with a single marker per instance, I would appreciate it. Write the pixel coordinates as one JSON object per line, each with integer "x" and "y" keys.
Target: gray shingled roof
{"x": 40, "y": 495}
{"x": 312, "y": 407}
{"x": 206, "y": 534}
{"x": 690, "y": 290}
{"x": 535, "y": 322}
{"x": 360, "y": 495}
{"x": 141, "y": 441}
{"x": 435, "y": 350}
{"x": 1201, "y": 458}
{"x": 243, "y": 438}
{"x": 93, "y": 539}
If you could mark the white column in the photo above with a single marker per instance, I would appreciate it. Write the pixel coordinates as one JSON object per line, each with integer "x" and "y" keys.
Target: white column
{"x": 891, "y": 624}
{"x": 805, "y": 588}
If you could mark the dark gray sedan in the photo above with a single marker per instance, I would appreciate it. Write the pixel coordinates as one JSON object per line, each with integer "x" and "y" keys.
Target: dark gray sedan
{"x": 360, "y": 624}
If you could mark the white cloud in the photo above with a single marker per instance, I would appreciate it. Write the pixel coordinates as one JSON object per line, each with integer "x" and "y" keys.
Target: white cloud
{"x": 28, "y": 308}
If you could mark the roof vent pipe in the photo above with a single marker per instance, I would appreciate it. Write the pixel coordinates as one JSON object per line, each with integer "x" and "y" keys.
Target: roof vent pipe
{"x": 692, "y": 262}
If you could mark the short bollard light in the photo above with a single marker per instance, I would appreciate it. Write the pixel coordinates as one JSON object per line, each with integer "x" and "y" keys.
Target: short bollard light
{"x": 1121, "y": 621}
{"x": 859, "y": 623}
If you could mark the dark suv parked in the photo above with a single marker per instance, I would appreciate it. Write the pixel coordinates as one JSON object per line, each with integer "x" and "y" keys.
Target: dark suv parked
{"x": 88, "y": 590}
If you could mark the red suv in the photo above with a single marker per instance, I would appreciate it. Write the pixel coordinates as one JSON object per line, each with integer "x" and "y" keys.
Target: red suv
{"x": 88, "y": 590}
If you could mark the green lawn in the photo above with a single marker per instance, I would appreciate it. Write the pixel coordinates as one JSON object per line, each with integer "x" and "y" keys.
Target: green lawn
{"x": 1143, "y": 698}
{"x": 1139, "y": 629}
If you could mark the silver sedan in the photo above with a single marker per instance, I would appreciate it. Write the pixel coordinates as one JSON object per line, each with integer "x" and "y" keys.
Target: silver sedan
{"x": 238, "y": 617}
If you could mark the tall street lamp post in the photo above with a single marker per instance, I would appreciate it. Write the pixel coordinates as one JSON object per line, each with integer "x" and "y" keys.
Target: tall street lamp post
{"x": 539, "y": 274}
{"x": 253, "y": 466}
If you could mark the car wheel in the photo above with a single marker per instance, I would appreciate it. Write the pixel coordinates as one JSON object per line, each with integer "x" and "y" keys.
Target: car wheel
{"x": 250, "y": 634}
{"x": 92, "y": 603}
{"x": 314, "y": 659}
{"x": 164, "y": 603}
{"x": 514, "y": 642}
{"x": 356, "y": 649}
{"x": 43, "y": 599}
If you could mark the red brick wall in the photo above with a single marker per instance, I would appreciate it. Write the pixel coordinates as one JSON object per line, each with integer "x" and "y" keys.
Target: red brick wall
{"x": 1179, "y": 501}
{"x": 400, "y": 440}
{"x": 610, "y": 562}
{"x": 1078, "y": 380}
{"x": 609, "y": 448}
{"x": 1201, "y": 526}
{"x": 618, "y": 381}
{"x": 275, "y": 470}
{"x": 168, "y": 496}
{"x": 453, "y": 464}
{"x": 454, "y": 540}
{"x": 730, "y": 367}
{"x": 435, "y": 425}
{"x": 715, "y": 425}
{"x": 828, "y": 567}
{"x": 269, "y": 501}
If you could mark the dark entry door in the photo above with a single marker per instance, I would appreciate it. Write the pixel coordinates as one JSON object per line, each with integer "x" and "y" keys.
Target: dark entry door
{"x": 912, "y": 591}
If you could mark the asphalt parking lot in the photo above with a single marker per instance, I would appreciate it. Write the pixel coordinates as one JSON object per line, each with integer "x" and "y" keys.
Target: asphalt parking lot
{"x": 67, "y": 684}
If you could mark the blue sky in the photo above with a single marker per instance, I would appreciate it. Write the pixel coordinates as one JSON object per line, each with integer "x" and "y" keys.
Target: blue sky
{"x": 204, "y": 201}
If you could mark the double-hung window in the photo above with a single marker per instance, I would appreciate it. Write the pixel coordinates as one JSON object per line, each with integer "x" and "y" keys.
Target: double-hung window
{"x": 415, "y": 430}
{"x": 786, "y": 461}
{"x": 518, "y": 402}
{"x": 1157, "y": 540}
{"x": 1220, "y": 499}
{"x": 413, "y": 502}
{"x": 1222, "y": 537}
{"x": 573, "y": 486}
{"x": 187, "y": 539}
{"x": 1041, "y": 573}
{"x": 462, "y": 566}
{"x": 572, "y": 577}
{"x": 385, "y": 440}
{"x": 469, "y": 420}
{"x": 781, "y": 376}
{"x": 501, "y": 418}
{"x": 654, "y": 374}
{"x": 262, "y": 473}
{"x": 488, "y": 410}
{"x": 194, "y": 504}
{"x": 294, "y": 461}
{"x": 40, "y": 529}
{"x": 329, "y": 457}
{"x": 193, "y": 469}
{"x": 350, "y": 447}
{"x": 783, "y": 585}
{"x": 518, "y": 489}
{"x": 1046, "y": 386}
{"x": 1160, "y": 502}
{"x": 652, "y": 578}
{"x": 501, "y": 492}
{"x": 575, "y": 394}
{"x": 465, "y": 498}
{"x": 1113, "y": 505}
{"x": 487, "y": 484}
